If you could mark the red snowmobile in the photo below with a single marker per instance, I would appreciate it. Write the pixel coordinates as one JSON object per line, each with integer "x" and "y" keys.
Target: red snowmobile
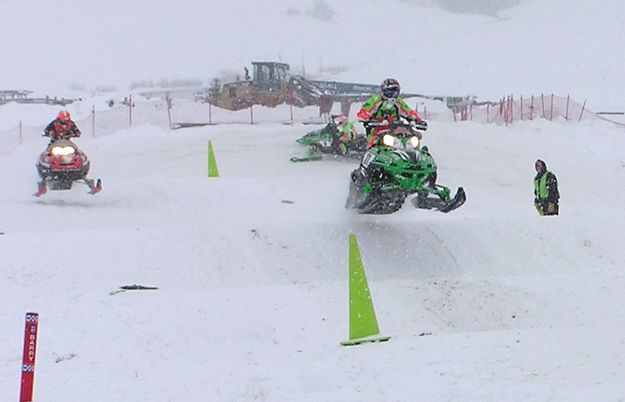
{"x": 61, "y": 164}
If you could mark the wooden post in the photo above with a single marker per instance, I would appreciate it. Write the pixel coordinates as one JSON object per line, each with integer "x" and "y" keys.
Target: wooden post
{"x": 582, "y": 112}
{"x": 487, "y": 112}
{"x": 532, "y": 108}
{"x": 551, "y": 107}
{"x": 566, "y": 116}
{"x": 521, "y": 107}
{"x": 542, "y": 99}
{"x": 252, "y": 114}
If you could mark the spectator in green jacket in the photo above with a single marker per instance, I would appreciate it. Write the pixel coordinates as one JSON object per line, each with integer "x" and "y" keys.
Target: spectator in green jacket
{"x": 546, "y": 195}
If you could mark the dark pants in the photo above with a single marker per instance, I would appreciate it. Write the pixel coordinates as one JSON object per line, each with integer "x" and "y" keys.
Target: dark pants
{"x": 546, "y": 208}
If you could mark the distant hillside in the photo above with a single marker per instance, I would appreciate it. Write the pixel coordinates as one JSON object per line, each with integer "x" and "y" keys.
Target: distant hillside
{"x": 487, "y": 7}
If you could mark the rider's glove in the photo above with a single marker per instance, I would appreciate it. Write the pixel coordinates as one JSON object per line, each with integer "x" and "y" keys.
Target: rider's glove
{"x": 421, "y": 124}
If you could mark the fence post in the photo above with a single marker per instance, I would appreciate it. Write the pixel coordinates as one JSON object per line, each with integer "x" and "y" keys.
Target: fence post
{"x": 252, "y": 114}
{"x": 210, "y": 112}
{"x": 291, "y": 104}
{"x": 532, "y": 109}
{"x": 169, "y": 105}
{"x": 504, "y": 109}
{"x": 551, "y": 107}
{"x": 521, "y": 107}
{"x": 487, "y": 112}
{"x": 582, "y": 112}
{"x": 566, "y": 117}
{"x": 425, "y": 112}
{"x": 542, "y": 99}
{"x": 511, "y": 109}
{"x": 21, "y": 134}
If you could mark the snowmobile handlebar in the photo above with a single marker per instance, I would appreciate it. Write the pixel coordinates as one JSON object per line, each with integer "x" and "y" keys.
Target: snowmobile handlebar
{"x": 375, "y": 123}
{"x": 419, "y": 125}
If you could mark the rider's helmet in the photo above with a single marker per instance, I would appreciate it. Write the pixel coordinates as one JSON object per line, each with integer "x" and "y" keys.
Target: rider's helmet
{"x": 339, "y": 119}
{"x": 64, "y": 116}
{"x": 390, "y": 88}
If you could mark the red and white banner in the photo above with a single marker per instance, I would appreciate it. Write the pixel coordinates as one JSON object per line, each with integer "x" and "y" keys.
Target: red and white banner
{"x": 28, "y": 359}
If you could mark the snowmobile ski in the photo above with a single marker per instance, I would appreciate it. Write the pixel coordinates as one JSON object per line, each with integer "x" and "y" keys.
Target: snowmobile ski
{"x": 95, "y": 189}
{"x": 41, "y": 191}
{"x": 307, "y": 158}
{"x": 422, "y": 201}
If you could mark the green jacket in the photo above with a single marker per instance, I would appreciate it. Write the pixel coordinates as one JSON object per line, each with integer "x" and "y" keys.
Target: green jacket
{"x": 546, "y": 187}
{"x": 376, "y": 109}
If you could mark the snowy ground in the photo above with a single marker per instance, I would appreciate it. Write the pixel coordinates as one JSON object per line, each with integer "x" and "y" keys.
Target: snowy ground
{"x": 488, "y": 303}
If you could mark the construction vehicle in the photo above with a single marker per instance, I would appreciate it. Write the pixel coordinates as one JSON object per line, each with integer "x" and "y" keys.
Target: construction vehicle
{"x": 272, "y": 84}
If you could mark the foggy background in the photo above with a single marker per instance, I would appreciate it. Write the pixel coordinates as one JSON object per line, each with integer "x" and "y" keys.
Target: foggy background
{"x": 485, "y": 48}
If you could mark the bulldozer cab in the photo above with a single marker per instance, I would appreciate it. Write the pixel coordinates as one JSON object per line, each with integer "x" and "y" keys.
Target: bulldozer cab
{"x": 269, "y": 74}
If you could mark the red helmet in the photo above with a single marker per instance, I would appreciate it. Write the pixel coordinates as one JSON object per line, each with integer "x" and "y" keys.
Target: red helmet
{"x": 64, "y": 115}
{"x": 390, "y": 88}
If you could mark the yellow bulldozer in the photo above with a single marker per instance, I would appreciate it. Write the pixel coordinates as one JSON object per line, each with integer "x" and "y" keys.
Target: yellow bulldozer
{"x": 271, "y": 84}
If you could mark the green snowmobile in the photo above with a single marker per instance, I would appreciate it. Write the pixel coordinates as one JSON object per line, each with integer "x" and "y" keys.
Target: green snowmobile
{"x": 326, "y": 141}
{"x": 396, "y": 167}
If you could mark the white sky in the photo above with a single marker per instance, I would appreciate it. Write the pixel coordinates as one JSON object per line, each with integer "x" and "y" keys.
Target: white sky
{"x": 558, "y": 46}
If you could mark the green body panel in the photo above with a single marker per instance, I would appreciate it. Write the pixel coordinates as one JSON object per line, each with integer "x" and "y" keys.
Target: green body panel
{"x": 324, "y": 136}
{"x": 409, "y": 175}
